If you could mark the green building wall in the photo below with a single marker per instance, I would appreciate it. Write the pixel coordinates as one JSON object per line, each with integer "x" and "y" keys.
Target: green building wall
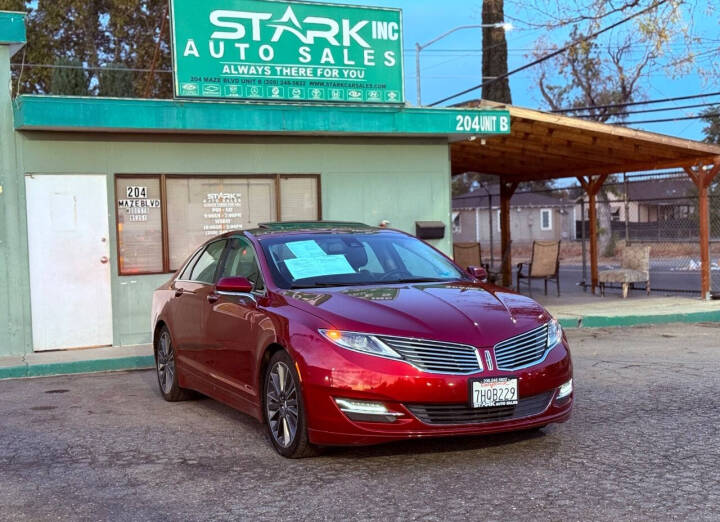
{"x": 15, "y": 337}
{"x": 401, "y": 180}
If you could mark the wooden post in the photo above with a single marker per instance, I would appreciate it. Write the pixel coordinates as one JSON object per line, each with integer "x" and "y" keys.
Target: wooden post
{"x": 702, "y": 179}
{"x": 704, "y": 240}
{"x": 507, "y": 189}
{"x": 592, "y": 187}
{"x": 592, "y": 209}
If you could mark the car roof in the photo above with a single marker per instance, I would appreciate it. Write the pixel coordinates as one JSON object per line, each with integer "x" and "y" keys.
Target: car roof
{"x": 291, "y": 228}
{"x": 296, "y": 227}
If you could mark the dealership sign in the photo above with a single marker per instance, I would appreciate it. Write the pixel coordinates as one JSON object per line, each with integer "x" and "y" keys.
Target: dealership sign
{"x": 287, "y": 51}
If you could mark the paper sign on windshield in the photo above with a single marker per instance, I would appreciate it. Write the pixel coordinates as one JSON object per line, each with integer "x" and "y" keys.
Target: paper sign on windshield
{"x": 304, "y": 267}
{"x": 306, "y": 249}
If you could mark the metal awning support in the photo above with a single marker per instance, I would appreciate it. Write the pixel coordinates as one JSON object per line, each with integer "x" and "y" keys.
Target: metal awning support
{"x": 702, "y": 177}
{"x": 592, "y": 185}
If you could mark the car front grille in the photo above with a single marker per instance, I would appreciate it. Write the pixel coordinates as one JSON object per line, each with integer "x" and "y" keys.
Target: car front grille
{"x": 463, "y": 414}
{"x": 522, "y": 350}
{"x": 435, "y": 356}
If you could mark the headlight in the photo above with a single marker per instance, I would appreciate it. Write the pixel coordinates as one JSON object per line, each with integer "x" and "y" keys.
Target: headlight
{"x": 360, "y": 343}
{"x": 554, "y": 333}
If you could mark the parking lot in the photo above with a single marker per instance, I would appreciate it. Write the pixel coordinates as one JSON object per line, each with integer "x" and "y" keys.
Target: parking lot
{"x": 643, "y": 443}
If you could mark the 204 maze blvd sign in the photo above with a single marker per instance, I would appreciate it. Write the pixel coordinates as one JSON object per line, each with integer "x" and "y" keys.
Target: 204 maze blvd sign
{"x": 279, "y": 50}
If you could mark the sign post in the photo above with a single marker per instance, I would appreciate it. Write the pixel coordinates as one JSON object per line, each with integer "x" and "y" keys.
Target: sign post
{"x": 277, "y": 50}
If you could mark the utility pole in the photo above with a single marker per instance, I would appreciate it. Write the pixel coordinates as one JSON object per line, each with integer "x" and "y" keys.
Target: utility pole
{"x": 419, "y": 47}
{"x": 494, "y": 52}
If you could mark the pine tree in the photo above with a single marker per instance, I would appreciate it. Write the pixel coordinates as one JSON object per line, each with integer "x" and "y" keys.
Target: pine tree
{"x": 116, "y": 81}
{"x": 95, "y": 33}
{"x": 69, "y": 78}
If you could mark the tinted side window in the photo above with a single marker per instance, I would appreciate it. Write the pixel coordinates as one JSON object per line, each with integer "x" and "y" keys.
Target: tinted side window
{"x": 241, "y": 262}
{"x": 204, "y": 269}
{"x": 185, "y": 274}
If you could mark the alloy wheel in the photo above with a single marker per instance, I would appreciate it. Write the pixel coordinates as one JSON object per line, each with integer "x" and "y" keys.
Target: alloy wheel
{"x": 165, "y": 363}
{"x": 281, "y": 402}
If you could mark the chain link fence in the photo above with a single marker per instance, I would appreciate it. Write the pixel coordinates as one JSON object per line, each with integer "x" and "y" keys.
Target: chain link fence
{"x": 658, "y": 210}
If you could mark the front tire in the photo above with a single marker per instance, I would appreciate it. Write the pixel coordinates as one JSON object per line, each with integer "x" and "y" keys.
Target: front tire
{"x": 284, "y": 410}
{"x": 167, "y": 370}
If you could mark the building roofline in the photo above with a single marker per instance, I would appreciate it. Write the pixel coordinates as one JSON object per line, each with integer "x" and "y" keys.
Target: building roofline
{"x": 132, "y": 115}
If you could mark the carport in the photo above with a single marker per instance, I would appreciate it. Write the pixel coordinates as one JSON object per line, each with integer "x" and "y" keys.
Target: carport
{"x": 544, "y": 146}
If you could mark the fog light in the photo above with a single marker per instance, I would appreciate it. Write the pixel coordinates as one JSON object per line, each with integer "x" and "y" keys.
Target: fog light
{"x": 565, "y": 390}
{"x": 366, "y": 411}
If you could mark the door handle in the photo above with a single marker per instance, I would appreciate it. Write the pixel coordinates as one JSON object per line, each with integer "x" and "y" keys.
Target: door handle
{"x": 212, "y": 298}
{"x": 178, "y": 292}
{"x": 104, "y": 260}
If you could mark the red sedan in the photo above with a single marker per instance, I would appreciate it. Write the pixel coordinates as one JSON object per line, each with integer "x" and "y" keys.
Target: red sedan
{"x": 340, "y": 334}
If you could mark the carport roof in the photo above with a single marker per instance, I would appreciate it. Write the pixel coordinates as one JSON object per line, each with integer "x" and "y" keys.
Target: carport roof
{"x": 543, "y": 145}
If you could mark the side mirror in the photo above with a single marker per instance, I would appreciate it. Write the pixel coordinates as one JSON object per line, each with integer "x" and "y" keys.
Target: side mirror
{"x": 234, "y": 285}
{"x": 478, "y": 272}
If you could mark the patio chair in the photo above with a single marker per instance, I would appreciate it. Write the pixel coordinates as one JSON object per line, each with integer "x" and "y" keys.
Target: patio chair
{"x": 467, "y": 254}
{"x": 635, "y": 268}
{"x": 544, "y": 264}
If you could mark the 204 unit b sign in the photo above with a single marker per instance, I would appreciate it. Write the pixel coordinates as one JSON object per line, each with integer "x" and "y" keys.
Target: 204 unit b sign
{"x": 287, "y": 51}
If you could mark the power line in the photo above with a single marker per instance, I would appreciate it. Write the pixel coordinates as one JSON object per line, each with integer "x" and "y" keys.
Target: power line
{"x": 712, "y": 46}
{"x": 630, "y": 104}
{"x": 644, "y": 111}
{"x": 551, "y": 55}
{"x": 665, "y": 120}
{"x": 665, "y": 109}
{"x": 89, "y": 68}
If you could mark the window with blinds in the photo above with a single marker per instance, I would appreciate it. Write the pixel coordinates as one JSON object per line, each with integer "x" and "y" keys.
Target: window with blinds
{"x": 298, "y": 199}
{"x": 161, "y": 219}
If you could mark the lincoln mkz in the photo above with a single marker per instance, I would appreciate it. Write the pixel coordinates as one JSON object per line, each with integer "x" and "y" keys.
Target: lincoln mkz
{"x": 345, "y": 334}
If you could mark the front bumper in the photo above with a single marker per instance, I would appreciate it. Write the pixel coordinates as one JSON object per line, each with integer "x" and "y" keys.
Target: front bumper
{"x": 401, "y": 388}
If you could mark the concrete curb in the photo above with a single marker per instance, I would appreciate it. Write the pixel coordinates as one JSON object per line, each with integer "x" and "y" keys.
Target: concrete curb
{"x": 598, "y": 321}
{"x": 140, "y": 362}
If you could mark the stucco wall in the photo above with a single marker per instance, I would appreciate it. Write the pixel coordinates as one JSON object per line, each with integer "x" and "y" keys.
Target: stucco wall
{"x": 15, "y": 336}
{"x": 367, "y": 180}
{"x": 524, "y": 225}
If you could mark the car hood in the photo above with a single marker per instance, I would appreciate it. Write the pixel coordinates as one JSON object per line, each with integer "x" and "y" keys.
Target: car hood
{"x": 469, "y": 313}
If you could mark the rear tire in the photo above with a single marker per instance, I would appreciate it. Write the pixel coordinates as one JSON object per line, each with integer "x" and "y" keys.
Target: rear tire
{"x": 284, "y": 409}
{"x": 167, "y": 370}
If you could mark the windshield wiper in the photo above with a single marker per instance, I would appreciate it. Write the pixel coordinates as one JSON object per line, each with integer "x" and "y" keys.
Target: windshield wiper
{"x": 325, "y": 285}
{"x": 374, "y": 283}
{"x": 419, "y": 280}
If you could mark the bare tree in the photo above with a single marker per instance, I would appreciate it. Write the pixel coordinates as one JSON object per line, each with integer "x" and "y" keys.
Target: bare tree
{"x": 611, "y": 70}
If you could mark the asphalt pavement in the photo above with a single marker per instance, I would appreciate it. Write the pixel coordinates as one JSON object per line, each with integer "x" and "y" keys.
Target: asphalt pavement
{"x": 643, "y": 444}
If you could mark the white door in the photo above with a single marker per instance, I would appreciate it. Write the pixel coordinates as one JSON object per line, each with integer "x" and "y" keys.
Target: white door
{"x": 69, "y": 261}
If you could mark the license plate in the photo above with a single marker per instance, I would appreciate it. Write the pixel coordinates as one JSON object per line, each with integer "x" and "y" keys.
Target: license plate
{"x": 493, "y": 391}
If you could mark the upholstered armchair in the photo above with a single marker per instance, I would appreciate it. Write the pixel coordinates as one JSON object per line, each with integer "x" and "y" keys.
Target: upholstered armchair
{"x": 635, "y": 268}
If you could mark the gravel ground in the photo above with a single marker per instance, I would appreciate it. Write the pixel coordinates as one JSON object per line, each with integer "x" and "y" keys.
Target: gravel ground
{"x": 643, "y": 443}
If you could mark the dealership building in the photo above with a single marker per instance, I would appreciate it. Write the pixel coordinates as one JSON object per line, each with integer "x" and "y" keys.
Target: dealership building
{"x": 102, "y": 199}
{"x": 283, "y": 111}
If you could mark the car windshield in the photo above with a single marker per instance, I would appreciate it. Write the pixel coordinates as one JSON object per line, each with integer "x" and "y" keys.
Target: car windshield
{"x": 354, "y": 259}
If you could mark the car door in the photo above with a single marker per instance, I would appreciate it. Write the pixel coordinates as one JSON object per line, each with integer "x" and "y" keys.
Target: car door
{"x": 238, "y": 325}
{"x": 179, "y": 329}
{"x": 191, "y": 306}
